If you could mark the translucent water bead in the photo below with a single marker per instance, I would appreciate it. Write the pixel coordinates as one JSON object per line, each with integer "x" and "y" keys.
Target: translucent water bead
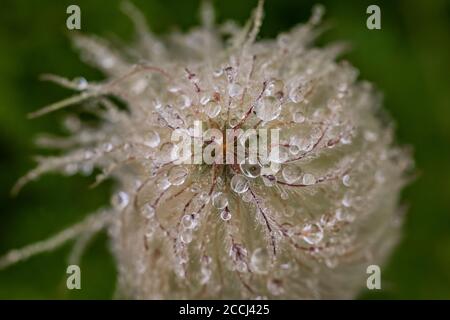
{"x": 346, "y": 180}
{"x": 347, "y": 200}
{"x": 260, "y": 261}
{"x": 344, "y": 215}
{"x": 250, "y": 170}
{"x": 167, "y": 152}
{"x": 120, "y": 200}
{"x": 308, "y": 179}
{"x": 298, "y": 117}
{"x": 225, "y": 215}
{"x": 152, "y": 139}
{"x": 219, "y": 200}
{"x": 312, "y": 233}
{"x": 177, "y": 175}
{"x": 212, "y": 109}
{"x": 274, "y": 88}
{"x": 148, "y": 211}
{"x": 239, "y": 184}
{"x": 291, "y": 173}
{"x": 162, "y": 183}
{"x": 81, "y": 83}
{"x": 269, "y": 180}
{"x": 268, "y": 108}
{"x": 235, "y": 89}
{"x": 189, "y": 221}
{"x": 298, "y": 94}
{"x": 186, "y": 236}
{"x": 183, "y": 101}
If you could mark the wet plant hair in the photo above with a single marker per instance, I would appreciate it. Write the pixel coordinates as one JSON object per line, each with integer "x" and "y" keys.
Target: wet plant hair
{"x": 306, "y": 227}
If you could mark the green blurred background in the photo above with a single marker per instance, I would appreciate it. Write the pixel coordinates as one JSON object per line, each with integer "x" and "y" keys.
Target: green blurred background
{"x": 408, "y": 59}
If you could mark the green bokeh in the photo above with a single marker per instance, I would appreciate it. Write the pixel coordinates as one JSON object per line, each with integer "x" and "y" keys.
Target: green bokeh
{"x": 408, "y": 60}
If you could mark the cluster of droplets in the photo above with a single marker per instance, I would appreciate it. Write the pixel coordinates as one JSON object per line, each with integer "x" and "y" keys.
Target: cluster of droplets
{"x": 297, "y": 223}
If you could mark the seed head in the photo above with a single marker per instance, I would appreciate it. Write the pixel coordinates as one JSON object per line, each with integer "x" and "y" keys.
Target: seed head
{"x": 302, "y": 223}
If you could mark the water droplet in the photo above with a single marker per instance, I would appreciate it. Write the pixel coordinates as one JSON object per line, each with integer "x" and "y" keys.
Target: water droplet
{"x": 203, "y": 197}
{"x": 260, "y": 261}
{"x": 148, "y": 211}
{"x": 204, "y": 99}
{"x": 183, "y": 101}
{"x": 291, "y": 173}
{"x": 186, "y": 236}
{"x": 269, "y": 180}
{"x": 219, "y": 200}
{"x": 107, "y": 147}
{"x": 167, "y": 152}
{"x": 346, "y": 180}
{"x": 312, "y": 233}
{"x": 163, "y": 183}
{"x": 233, "y": 121}
{"x": 212, "y": 109}
{"x": 275, "y": 286}
{"x": 81, "y": 83}
{"x": 274, "y": 87}
{"x": 294, "y": 149}
{"x": 268, "y": 108}
{"x": 195, "y": 188}
{"x": 269, "y": 167}
{"x": 346, "y": 139}
{"x": 177, "y": 175}
{"x": 188, "y": 221}
{"x": 152, "y": 139}
{"x": 235, "y": 89}
{"x": 120, "y": 200}
{"x": 298, "y": 117}
{"x": 225, "y": 215}
{"x": 308, "y": 179}
{"x": 250, "y": 170}
{"x": 239, "y": 183}
{"x": 218, "y": 72}
{"x": 347, "y": 201}
{"x": 298, "y": 94}
{"x": 344, "y": 215}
